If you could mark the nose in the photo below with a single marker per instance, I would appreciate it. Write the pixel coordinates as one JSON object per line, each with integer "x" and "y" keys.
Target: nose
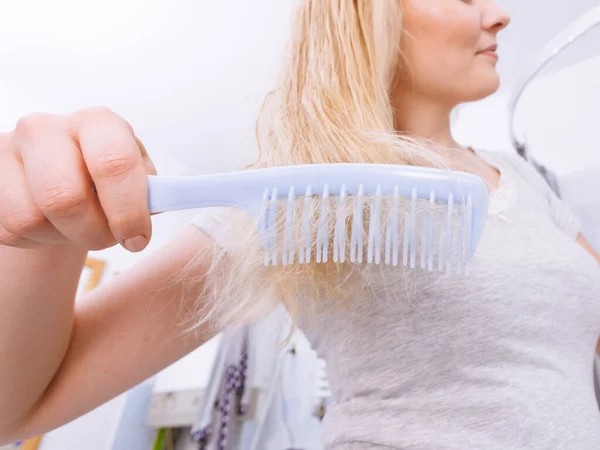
{"x": 495, "y": 19}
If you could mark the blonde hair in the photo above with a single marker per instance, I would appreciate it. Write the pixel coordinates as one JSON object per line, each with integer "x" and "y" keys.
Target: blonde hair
{"x": 333, "y": 105}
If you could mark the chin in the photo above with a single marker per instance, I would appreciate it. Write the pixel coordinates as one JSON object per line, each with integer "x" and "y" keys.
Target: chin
{"x": 483, "y": 86}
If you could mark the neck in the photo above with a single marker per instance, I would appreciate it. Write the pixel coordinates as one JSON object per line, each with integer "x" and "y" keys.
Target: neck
{"x": 423, "y": 117}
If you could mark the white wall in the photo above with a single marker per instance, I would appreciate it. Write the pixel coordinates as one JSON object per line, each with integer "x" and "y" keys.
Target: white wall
{"x": 156, "y": 63}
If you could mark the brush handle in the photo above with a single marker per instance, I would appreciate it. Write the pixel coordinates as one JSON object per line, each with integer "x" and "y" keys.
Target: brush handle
{"x": 245, "y": 189}
{"x": 171, "y": 193}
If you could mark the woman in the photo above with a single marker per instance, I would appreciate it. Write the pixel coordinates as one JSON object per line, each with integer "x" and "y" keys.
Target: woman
{"x": 500, "y": 360}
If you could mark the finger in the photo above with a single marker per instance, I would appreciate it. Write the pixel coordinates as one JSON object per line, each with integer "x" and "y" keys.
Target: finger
{"x": 150, "y": 168}
{"x": 19, "y": 215}
{"x": 59, "y": 182}
{"x": 117, "y": 168}
{"x": 148, "y": 163}
{"x": 12, "y": 240}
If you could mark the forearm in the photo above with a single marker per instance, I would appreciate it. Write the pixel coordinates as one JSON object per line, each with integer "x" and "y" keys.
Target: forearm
{"x": 37, "y": 291}
{"x": 126, "y": 330}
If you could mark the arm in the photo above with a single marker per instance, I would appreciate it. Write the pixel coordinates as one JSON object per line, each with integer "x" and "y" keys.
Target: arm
{"x": 34, "y": 334}
{"x": 117, "y": 336}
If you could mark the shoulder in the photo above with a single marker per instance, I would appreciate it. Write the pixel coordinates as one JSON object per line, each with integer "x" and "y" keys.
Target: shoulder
{"x": 514, "y": 166}
{"x": 212, "y": 217}
{"x": 507, "y": 160}
{"x": 218, "y": 223}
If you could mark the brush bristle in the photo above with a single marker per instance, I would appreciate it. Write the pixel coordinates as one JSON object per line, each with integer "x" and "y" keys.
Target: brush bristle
{"x": 316, "y": 227}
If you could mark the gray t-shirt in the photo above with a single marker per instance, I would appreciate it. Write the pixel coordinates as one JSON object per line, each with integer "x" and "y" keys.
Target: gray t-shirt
{"x": 502, "y": 359}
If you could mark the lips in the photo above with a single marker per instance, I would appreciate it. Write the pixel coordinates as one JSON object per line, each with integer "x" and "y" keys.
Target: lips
{"x": 490, "y": 49}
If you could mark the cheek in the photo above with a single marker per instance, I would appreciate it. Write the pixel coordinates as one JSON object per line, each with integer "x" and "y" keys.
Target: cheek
{"x": 441, "y": 38}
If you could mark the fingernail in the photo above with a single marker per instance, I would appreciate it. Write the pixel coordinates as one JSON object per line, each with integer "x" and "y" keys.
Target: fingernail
{"x": 135, "y": 244}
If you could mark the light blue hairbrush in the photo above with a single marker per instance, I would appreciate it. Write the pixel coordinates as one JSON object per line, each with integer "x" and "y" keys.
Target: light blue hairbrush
{"x": 443, "y": 231}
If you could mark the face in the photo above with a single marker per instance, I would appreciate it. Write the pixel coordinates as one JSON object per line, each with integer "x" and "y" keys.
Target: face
{"x": 449, "y": 48}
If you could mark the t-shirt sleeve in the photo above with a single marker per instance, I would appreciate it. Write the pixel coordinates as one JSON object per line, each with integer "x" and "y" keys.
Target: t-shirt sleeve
{"x": 215, "y": 222}
{"x": 562, "y": 215}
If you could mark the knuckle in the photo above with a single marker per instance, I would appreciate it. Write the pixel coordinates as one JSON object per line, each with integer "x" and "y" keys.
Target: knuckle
{"x": 23, "y": 222}
{"x": 101, "y": 114}
{"x": 31, "y": 124}
{"x": 61, "y": 200}
{"x": 100, "y": 111}
{"x": 113, "y": 164}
